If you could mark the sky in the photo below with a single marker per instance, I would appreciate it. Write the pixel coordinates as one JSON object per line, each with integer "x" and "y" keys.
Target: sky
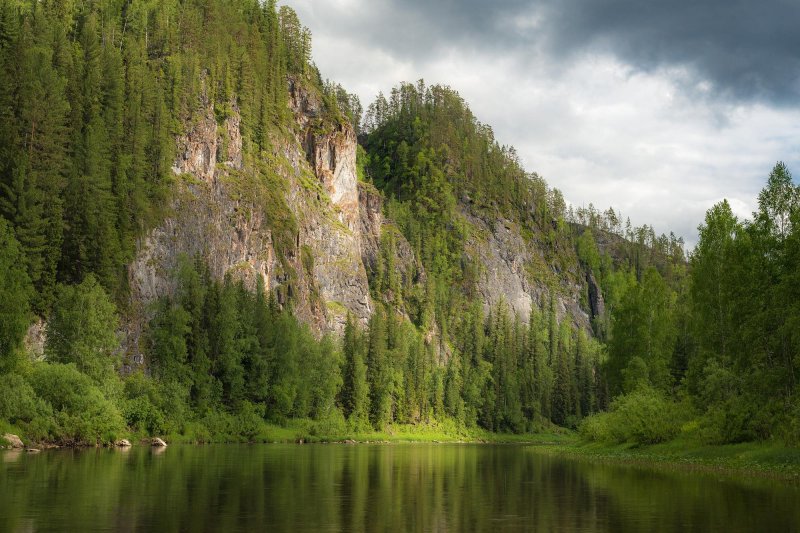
{"x": 658, "y": 109}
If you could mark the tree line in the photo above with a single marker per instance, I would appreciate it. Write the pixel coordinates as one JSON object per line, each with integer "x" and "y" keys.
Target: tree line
{"x": 92, "y": 96}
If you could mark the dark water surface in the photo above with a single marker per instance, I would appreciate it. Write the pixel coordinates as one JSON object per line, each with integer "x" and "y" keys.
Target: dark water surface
{"x": 415, "y": 487}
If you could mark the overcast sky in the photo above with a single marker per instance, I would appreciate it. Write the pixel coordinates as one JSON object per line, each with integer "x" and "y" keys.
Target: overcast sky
{"x": 657, "y": 108}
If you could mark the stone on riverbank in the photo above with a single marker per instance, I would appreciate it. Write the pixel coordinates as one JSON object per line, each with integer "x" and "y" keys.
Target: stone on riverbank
{"x": 14, "y": 442}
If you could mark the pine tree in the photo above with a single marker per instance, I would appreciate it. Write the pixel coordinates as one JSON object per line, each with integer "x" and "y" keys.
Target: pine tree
{"x": 15, "y": 294}
{"x": 256, "y": 356}
{"x": 35, "y": 160}
{"x": 379, "y": 371}
{"x": 562, "y": 390}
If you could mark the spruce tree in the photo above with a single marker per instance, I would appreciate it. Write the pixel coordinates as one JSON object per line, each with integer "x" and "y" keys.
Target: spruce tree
{"x": 15, "y": 294}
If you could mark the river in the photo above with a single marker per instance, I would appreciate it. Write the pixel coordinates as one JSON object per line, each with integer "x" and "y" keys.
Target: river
{"x": 398, "y": 487}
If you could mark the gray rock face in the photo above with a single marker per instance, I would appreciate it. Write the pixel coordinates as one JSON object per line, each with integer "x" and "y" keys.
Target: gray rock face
{"x": 35, "y": 339}
{"x": 373, "y": 224}
{"x": 158, "y": 443}
{"x": 213, "y": 219}
{"x": 336, "y": 240}
{"x": 597, "y": 305}
{"x": 508, "y": 271}
{"x": 332, "y": 232}
{"x": 502, "y": 255}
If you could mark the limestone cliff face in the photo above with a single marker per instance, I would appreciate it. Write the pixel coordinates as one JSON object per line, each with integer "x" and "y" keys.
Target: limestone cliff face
{"x": 215, "y": 215}
{"x": 224, "y": 212}
{"x": 373, "y": 225}
{"x": 515, "y": 271}
{"x": 333, "y": 233}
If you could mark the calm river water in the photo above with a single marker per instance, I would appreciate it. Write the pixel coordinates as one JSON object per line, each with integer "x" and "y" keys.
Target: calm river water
{"x": 415, "y": 487}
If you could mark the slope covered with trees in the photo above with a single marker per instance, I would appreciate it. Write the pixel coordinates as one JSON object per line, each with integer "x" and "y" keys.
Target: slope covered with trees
{"x": 92, "y": 99}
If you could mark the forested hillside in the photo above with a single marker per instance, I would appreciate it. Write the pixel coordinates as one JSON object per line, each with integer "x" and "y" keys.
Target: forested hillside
{"x": 193, "y": 244}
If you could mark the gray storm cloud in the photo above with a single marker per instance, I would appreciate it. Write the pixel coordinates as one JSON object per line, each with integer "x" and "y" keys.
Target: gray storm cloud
{"x": 737, "y": 49}
{"x": 659, "y": 109}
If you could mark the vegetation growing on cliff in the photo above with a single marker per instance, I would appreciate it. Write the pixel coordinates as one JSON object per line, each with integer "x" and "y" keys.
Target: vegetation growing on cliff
{"x": 92, "y": 96}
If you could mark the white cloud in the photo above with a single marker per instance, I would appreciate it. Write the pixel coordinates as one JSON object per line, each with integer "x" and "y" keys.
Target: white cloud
{"x": 595, "y": 128}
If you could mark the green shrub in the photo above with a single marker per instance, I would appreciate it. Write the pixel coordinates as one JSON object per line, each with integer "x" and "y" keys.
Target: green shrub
{"x": 142, "y": 416}
{"x": 153, "y": 406}
{"x": 81, "y": 414}
{"x": 330, "y": 426}
{"x": 741, "y": 418}
{"x": 250, "y": 420}
{"x": 19, "y": 402}
{"x": 644, "y": 416}
{"x": 792, "y": 430}
{"x": 222, "y": 426}
{"x": 601, "y": 427}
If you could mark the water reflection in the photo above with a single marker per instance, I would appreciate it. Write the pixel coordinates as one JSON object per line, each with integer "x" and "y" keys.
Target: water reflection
{"x": 373, "y": 488}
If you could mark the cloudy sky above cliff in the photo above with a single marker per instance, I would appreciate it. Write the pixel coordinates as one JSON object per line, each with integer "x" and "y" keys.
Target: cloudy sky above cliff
{"x": 657, "y": 108}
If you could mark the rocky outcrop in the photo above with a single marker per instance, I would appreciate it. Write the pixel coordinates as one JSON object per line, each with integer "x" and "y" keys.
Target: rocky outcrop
{"x": 513, "y": 270}
{"x": 35, "y": 339}
{"x": 501, "y": 256}
{"x": 14, "y": 442}
{"x": 373, "y": 226}
{"x": 332, "y": 233}
{"x": 224, "y": 211}
{"x": 157, "y": 443}
{"x": 298, "y": 219}
{"x": 597, "y": 306}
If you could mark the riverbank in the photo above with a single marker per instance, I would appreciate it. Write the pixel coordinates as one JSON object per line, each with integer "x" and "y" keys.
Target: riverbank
{"x": 312, "y": 431}
{"x": 309, "y": 431}
{"x": 767, "y": 459}
{"x": 762, "y": 459}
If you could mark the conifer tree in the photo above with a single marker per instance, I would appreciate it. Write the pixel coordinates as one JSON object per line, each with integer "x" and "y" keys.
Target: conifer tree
{"x": 15, "y": 294}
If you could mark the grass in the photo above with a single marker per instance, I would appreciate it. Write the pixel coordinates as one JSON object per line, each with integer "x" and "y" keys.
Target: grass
{"x": 310, "y": 431}
{"x": 772, "y": 459}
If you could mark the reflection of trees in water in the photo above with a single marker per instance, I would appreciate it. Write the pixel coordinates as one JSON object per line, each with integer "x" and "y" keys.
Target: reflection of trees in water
{"x": 373, "y": 488}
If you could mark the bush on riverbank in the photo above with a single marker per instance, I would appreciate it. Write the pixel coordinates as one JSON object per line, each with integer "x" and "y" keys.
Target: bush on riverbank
{"x": 57, "y": 403}
{"x": 82, "y": 414}
{"x": 644, "y": 416}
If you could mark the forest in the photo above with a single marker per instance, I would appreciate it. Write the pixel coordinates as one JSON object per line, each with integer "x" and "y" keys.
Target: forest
{"x": 704, "y": 344}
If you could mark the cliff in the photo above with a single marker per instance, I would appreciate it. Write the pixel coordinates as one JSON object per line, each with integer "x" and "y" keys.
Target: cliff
{"x": 517, "y": 271}
{"x": 297, "y": 218}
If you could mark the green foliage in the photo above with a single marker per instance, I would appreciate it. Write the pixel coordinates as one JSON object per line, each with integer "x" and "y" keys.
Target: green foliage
{"x": 92, "y": 96}
{"x": 643, "y": 336}
{"x": 154, "y": 407}
{"x": 427, "y": 153}
{"x": 587, "y": 251}
{"x": 19, "y": 402}
{"x": 82, "y": 329}
{"x": 142, "y": 416}
{"x": 15, "y": 293}
{"x": 347, "y": 104}
{"x": 81, "y": 412}
{"x": 745, "y": 314}
{"x": 644, "y": 416}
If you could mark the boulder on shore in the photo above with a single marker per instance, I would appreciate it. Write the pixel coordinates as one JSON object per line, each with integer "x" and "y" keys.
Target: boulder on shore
{"x": 122, "y": 443}
{"x": 157, "y": 442}
{"x": 13, "y": 441}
